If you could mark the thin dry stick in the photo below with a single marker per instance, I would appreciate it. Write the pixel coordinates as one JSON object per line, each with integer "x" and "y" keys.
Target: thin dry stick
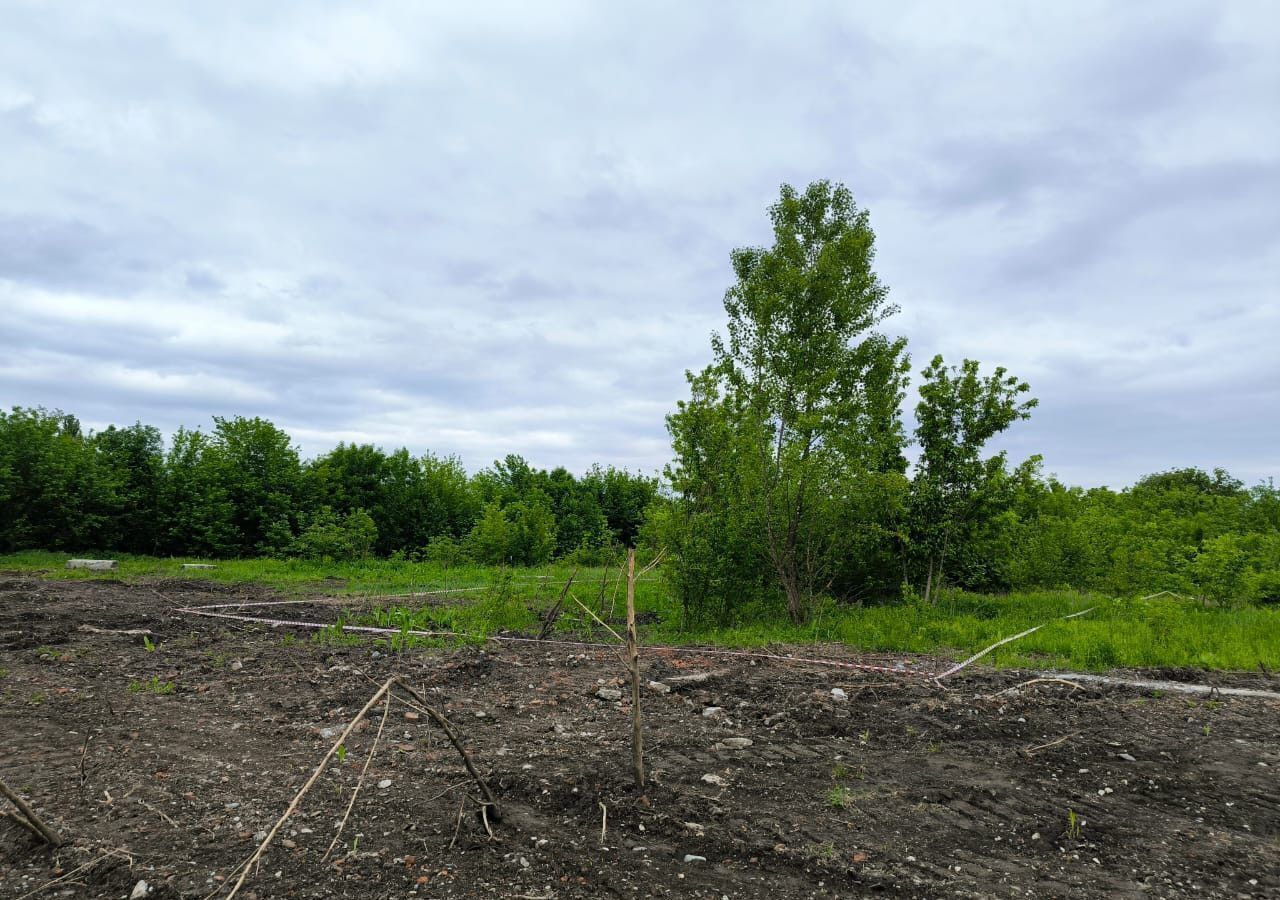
{"x": 1000, "y": 643}
{"x": 604, "y": 821}
{"x": 110, "y": 854}
{"x": 554, "y": 613}
{"x": 10, "y": 814}
{"x": 293, "y": 805}
{"x": 1018, "y": 687}
{"x": 50, "y": 836}
{"x": 653, "y": 563}
{"x": 158, "y": 812}
{"x": 633, "y": 651}
{"x": 457, "y": 826}
{"x": 1065, "y": 737}
{"x": 355, "y": 792}
{"x": 447, "y": 727}
{"x": 620, "y": 638}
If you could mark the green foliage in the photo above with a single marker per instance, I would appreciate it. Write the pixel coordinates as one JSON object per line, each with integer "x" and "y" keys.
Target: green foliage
{"x": 445, "y": 551}
{"x": 500, "y": 609}
{"x": 152, "y": 686}
{"x": 956, "y": 490}
{"x": 838, "y": 797}
{"x": 327, "y": 537}
{"x": 800, "y": 401}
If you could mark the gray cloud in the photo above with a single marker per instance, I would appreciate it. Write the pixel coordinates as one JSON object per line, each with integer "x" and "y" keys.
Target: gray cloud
{"x": 508, "y": 230}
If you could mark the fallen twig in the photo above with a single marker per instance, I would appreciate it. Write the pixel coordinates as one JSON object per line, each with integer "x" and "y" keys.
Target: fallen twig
{"x": 1000, "y": 643}
{"x": 457, "y": 826}
{"x": 355, "y": 792}
{"x": 66, "y": 876}
{"x": 447, "y": 727}
{"x": 604, "y": 821}
{"x": 245, "y": 866}
{"x": 49, "y": 836}
{"x": 158, "y": 812}
{"x": 90, "y": 629}
{"x": 1066, "y": 737}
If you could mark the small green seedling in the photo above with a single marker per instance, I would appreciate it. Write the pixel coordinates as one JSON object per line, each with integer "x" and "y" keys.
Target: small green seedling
{"x": 838, "y": 797}
{"x": 154, "y": 686}
{"x": 148, "y": 644}
{"x": 342, "y": 753}
{"x": 1075, "y": 825}
{"x": 839, "y": 771}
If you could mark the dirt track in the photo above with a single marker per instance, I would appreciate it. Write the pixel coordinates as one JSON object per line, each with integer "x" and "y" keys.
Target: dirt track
{"x": 901, "y": 790}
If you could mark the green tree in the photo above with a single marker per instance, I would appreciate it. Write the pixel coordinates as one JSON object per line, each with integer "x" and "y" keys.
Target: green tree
{"x": 801, "y": 399}
{"x": 196, "y": 516}
{"x": 489, "y": 541}
{"x": 131, "y": 461}
{"x": 533, "y": 530}
{"x": 57, "y": 496}
{"x": 262, "y": 476}
{"x": 954, "y": 487}
{"x": 330, "y": 537}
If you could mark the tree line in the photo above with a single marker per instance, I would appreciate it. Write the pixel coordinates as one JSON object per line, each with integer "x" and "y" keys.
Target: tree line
{"x": 242, "y": 489}
{"x": 790, "y": 485}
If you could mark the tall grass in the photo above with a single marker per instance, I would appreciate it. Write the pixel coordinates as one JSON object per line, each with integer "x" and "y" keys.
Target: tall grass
{"x": 1119, "y": 633}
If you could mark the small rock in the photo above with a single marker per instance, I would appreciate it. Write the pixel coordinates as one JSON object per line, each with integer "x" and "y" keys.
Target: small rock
{"x": 715, "y": 780}
{"x": 288, "y": 844}
{"x": 658, "y": 687}
{"x": 141, "y": 889}
{"x": 690, "y": 857}
{"x": 737, "y": 743}
{"x": 838, "y": 694}
{"x": 1126, "y": 757}
{"x": 524, "y": 863}
{"x": 712, "y": 711}
{"x": 774, "y": 719}
{"x": 411, "y": 716}
{"x": 384, "y": 784}
{"x": 236, "y": 665}
{"x": 608, "y": 693}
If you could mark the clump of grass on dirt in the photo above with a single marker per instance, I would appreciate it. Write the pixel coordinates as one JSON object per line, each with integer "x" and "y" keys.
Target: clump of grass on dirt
{"x": 152, "y": 686}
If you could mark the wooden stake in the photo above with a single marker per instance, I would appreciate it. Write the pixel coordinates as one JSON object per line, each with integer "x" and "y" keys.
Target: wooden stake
{"x": 633, "y": 654}
{"x": 34, "y": 822}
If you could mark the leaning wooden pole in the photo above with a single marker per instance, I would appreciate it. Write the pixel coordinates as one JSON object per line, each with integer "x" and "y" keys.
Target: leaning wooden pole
{"x": 633, "y": 657}
{"x": 29, "y": 818}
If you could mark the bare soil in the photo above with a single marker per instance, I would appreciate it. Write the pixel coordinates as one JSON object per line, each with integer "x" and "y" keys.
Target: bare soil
{"x": 904, "y": 789}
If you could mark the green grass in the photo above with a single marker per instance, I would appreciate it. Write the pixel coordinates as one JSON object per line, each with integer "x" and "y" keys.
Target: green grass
{"x": 154, "y": 686}
{"x": 1119, "y": 633}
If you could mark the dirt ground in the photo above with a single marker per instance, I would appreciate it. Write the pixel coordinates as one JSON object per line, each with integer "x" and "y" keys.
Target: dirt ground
{"x": 903, "y": 789}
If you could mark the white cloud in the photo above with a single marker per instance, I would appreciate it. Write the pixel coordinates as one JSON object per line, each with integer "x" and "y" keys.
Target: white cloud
{"x": 496, "y": 229}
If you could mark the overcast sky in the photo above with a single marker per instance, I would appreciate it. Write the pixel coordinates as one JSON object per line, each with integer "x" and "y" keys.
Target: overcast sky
{"x": 479, "y": 229}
